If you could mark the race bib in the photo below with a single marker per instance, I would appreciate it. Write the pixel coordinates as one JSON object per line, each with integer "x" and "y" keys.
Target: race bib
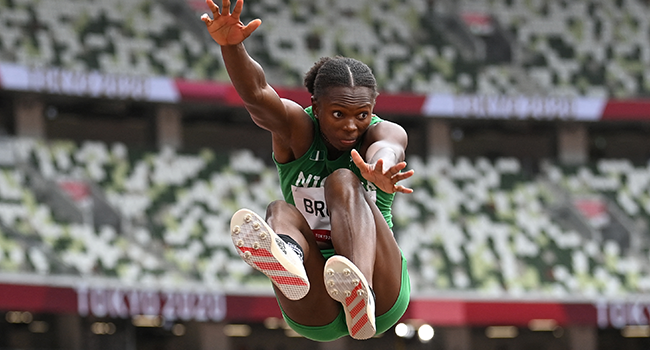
{"x": 310, "y": 201}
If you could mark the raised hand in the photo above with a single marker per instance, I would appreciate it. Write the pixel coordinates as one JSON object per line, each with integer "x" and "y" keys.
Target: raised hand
{"x": 226, "y": 28}
{"x": 385, "y": 179}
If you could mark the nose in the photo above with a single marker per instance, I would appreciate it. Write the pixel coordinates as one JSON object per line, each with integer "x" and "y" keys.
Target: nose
{"x": 350, "y": 125}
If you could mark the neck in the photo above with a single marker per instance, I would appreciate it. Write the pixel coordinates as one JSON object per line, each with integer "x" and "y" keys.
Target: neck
{"x": 332, "y": 152}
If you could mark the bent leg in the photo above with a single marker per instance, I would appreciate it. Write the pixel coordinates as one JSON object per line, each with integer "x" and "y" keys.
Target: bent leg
{"x": 360, "y": 233}
{"x": 316, "y": 308}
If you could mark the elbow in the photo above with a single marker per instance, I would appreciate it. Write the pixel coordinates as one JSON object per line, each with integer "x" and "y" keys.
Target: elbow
{"x": 255, "y": 97}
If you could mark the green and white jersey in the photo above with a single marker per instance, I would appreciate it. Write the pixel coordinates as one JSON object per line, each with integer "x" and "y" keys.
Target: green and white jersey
{"x": 302, "y": 182}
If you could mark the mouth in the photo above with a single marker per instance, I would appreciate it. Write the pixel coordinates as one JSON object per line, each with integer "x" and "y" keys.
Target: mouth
{"x": 340, "y": 144}
{"x": 347, "y": 144}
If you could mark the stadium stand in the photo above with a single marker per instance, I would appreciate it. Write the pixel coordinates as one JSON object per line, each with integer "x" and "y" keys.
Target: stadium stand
{"x": 592, "y": 48}
{"x": 489, "y": 229}
{"x": 115, "y": 37}
{"x": 175, "y": 211}
{"x": 585, "y": 48}
{"x": 493, "y": 232}
{"x": 86, "y": 214}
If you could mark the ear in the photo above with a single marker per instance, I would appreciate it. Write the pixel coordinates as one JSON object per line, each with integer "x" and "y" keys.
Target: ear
{"x": 314, "y": 106}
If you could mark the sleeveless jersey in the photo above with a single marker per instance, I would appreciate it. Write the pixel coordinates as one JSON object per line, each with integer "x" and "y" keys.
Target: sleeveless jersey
{"x": 302, "y": 182}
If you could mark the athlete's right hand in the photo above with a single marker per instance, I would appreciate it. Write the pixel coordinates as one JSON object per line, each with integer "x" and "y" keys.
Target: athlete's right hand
{"x": 226, "y": 28}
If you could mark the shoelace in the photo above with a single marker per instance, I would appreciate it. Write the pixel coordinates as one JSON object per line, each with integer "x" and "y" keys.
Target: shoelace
{"x": 293, "y": 245}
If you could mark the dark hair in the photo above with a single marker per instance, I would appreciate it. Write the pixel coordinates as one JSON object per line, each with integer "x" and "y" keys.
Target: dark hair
{"x": 338, "y": 71}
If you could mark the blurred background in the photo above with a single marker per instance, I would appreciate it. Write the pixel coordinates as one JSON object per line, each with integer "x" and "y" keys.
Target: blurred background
{"x": 124, "y": 151}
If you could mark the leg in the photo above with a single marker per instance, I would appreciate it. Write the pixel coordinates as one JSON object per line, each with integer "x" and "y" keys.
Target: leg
{"x": 360, "y": 233}
{"x": 316, "y": 308}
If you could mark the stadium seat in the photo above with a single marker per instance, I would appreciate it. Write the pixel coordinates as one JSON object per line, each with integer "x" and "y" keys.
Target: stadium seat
{"x": 473, "y": 225}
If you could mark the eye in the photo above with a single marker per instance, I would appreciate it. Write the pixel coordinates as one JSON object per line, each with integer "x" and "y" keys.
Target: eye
{"x": 363, "y": 115}
{"x": 337, "y": 114}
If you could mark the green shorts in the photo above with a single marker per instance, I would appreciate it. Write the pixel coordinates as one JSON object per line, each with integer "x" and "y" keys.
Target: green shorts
{"x": 338, "y": 328}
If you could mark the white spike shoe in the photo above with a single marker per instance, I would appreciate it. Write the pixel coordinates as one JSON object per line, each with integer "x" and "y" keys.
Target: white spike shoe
{"x": 346, "y": 284}
{"x": 262, "y": 249}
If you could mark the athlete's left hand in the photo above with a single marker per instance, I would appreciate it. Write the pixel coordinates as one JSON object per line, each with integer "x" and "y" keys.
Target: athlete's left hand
{"x": 226, "y": 27}
{"x": 386, "y": 179}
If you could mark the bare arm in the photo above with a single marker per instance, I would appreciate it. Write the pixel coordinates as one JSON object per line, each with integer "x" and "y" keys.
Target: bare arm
{"x": 247, "y": 76}
{"x": 385, "y": 152}
{"x": 267, "y": 109}
{"x": 283, "y": 118}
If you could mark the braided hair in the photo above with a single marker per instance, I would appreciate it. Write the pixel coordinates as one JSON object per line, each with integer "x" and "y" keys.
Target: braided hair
{"x": 338, "y": 71}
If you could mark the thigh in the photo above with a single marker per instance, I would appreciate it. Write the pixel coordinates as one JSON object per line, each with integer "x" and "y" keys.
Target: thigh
{"x": 316, "y": 308}
{"x": 388, "y": 262}
{"x": 388, "y": 319}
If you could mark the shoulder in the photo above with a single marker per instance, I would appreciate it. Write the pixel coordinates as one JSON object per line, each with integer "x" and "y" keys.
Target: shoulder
{"x": 297, "y": 135}
{"x": 381, "y": 129}
{"x": 291, "y": 120}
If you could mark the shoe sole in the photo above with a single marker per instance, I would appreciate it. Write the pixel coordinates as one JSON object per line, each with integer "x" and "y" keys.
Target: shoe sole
{"x": 262, "y": 249}
{"x": 346, "y": 284}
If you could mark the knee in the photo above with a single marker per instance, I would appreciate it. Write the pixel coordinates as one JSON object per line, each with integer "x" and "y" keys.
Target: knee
{"x": 341, "y": 184}
{"x": 278, "y": 207}
{"x": 275, "y": 206}
{"x": 282, "y": 214}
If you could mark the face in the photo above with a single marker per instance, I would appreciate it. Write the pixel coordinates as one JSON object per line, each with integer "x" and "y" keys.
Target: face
{"x": 344, "y": 115}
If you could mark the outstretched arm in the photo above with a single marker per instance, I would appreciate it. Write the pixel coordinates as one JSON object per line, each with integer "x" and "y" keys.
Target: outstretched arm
{"x": 384, "y": 158}
{"x": 267, "y": 109}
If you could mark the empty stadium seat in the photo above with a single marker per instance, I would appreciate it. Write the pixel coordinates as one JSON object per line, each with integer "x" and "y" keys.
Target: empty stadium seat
{"x": 474, "y": 225}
